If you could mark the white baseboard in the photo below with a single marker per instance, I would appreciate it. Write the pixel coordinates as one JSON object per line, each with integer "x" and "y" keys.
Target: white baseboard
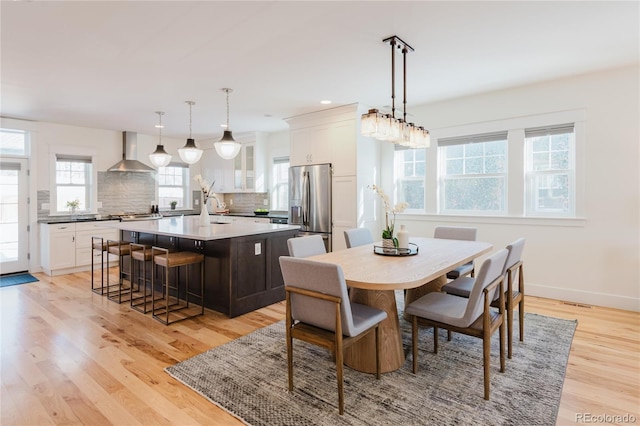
{"x": 585, "y": 297}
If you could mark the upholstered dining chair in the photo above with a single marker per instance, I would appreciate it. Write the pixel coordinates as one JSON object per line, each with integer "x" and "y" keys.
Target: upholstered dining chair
{"x": 306, "y": 246}
{"x": 458, "y": 233}
{"x": 472, "y": 316}
{"x": 514, "y": 289}
{"x": 358, "y": 237}
{"x": 319, "y": 312}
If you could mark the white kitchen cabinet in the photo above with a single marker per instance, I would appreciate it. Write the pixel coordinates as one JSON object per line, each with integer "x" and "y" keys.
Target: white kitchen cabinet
{"x": 66, "y": 247}
{"x": 218, "y": 170}
{"x": 244, "y": 169}
{"x": 333, "y": 136}
{"x": 58, "y": 246}
{"x": 310, "y": 145}
{"x": 343, "y": 147}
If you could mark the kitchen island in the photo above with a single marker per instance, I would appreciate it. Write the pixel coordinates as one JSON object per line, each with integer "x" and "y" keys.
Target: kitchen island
{"x": 241, "y": 270}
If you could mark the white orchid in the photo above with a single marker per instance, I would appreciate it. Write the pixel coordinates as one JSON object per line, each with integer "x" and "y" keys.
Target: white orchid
{"x": 204, "y": 186}
{"x": 398, "y": 208}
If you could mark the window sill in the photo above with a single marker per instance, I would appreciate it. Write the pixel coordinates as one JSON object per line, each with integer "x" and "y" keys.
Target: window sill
{"x": 577, "y": 222}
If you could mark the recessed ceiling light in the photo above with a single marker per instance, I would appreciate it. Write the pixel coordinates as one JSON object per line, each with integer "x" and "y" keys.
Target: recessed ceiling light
{"x": 325, "y": 102}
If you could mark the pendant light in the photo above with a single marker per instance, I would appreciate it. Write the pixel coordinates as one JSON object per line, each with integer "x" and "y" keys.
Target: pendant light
{"x": 190, "y": 153}
{"x": 160, "y": 157}
{"x": 227, "y": 147}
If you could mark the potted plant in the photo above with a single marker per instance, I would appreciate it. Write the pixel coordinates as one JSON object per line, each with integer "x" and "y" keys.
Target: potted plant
{"x": 73, "y": 207}
{"x": 173, "y": 205}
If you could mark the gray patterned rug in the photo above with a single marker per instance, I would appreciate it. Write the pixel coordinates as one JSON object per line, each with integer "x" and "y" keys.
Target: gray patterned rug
{"x": 248, "y": 378}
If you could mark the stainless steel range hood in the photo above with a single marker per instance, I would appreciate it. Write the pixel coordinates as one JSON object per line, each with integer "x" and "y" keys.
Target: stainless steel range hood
{"x": 129, "y": 162}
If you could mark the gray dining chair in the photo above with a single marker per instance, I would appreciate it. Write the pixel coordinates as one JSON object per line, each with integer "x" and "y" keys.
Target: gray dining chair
{"x": 306, "y": 246}
{"x": 358, "y": 237}
{"x": 472, "y": 316}
{"x": 318, "y": 311}
{"x": 514, "y": 289}
{"x": 458, "y": 233}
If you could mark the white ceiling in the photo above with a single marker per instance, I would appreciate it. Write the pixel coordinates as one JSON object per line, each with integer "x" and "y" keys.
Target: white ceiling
{"x": 110, "y": 65}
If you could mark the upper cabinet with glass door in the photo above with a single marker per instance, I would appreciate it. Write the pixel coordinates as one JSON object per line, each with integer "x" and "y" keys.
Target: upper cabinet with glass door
{"x": 244, "y": 169}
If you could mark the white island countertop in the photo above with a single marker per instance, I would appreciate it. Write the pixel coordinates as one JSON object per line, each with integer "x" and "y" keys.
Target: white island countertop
{"x": 189, "y": 227}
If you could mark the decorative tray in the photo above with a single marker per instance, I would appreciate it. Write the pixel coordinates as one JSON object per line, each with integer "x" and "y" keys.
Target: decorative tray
{"x": 387, "y": 251}
{"x": 261, "y": 213}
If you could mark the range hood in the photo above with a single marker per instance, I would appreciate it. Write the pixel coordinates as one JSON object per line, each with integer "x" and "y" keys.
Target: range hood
{"x": 129, "y": 155}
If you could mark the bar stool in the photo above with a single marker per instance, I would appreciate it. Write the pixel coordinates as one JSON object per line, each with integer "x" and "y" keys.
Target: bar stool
{"x": 98, "y": 243}
{"x": 165, "y": 259}
{"x": 141, "y": 253}
{"x": 120, "y": 249}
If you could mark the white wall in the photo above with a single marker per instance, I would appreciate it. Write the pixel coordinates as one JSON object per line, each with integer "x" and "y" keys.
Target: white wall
{"x": 595, "y": 260}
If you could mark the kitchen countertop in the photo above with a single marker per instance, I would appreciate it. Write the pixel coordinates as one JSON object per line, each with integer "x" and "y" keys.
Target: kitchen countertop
{"x": 189, "y": 227}
{"x": 172, "y": 214}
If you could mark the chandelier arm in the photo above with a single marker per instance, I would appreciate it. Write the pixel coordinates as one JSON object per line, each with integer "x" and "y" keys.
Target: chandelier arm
{"x": 393, "y": 77}
{"x": 404, "y": 83}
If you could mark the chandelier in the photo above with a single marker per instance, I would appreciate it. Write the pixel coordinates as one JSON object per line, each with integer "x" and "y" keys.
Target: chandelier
{"x": 386, "y": 127}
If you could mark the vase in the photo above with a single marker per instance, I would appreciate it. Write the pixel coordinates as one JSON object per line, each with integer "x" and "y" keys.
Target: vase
{"x": 204, "y": 216}
{"x": 403, "y": 238}
{"x": 388, "y": 243}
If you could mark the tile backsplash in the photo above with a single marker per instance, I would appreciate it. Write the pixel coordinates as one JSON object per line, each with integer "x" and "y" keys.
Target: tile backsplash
{"x": 135, "y": 192}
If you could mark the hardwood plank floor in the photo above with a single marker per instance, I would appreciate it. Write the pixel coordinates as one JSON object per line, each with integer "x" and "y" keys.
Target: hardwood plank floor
{"x": 70, "y": 356}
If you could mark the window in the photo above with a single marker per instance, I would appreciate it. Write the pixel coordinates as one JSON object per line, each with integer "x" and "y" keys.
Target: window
{"x": 550, "y": 170}
{"x": 173, "y": 185}
{"x": 280, "y": 186}
{"x": 473, "y": 174}
{"x": 13, "y": 142}
{"x": 410, "y": 170}
{"x": 73, "y": 175}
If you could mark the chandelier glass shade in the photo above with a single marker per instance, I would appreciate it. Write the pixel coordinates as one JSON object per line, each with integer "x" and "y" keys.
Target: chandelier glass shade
{"x": 190, "y": 153}
{"x": 160, "y": 157}
{"x": 386, "y": 127}
{"x": 227, "y": 147}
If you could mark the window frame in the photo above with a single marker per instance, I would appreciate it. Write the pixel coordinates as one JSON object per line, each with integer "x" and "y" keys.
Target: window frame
{"x": 530, "y": 174}
{"x": 87, "y": 155}
{"x": 516, "y": 197}
{"x": 276, "y": 185}
{"x": 185, "y": 187}
{"x": 399, "y": 178}
{"x": 467, "y": 142}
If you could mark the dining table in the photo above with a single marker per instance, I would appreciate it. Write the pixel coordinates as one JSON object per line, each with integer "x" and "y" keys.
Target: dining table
{"x": 374, "y": 274}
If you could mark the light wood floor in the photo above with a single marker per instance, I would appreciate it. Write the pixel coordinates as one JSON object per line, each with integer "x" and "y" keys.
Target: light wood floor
{"x": 69, "y": 356}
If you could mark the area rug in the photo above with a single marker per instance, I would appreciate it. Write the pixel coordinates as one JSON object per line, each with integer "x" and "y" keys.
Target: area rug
{"x": 248, "y": 378}
{"x": 9, "y": 280}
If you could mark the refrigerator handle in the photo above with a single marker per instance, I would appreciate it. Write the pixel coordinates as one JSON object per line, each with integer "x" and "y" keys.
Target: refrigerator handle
{"x": 306, "y": 199}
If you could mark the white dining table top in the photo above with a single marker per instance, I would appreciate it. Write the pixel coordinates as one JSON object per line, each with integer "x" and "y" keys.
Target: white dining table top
{"x": 364, "y": 269}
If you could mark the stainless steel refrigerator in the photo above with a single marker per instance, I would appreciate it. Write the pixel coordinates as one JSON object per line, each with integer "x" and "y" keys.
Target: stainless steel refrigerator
{"x": 310, "y": 200}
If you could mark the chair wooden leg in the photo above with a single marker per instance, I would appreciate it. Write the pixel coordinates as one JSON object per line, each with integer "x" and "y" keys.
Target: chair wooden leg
{"x": 339, "y": 374}
{"x": 502, "y": 361}
{"x": 521, "y": 317}
{"x": 378, "y": 352}
{"x": 435, "y": 340}
{"x": 449, "y": 335}
{"x": 509, "y": 326}
{"x": 414, "y": 343}
{"x": 486, "y": 360}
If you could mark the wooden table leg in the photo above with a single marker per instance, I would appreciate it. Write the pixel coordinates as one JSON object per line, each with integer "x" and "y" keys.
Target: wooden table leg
{"x": 414, "y": 294}
{"x": 361, "y": 355}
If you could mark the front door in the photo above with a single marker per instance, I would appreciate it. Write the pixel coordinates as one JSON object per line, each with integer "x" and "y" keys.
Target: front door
{"x": 14, "y": 215}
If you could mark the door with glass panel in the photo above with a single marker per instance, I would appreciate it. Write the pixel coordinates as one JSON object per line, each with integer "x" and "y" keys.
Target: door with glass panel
{"x": 13, "y": 215}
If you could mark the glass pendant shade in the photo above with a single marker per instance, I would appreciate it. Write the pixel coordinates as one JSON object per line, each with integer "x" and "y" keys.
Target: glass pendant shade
{"x": 227, "y": 147}
{"x": 190, "y": 153}
{"x": 160, "y": 157}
